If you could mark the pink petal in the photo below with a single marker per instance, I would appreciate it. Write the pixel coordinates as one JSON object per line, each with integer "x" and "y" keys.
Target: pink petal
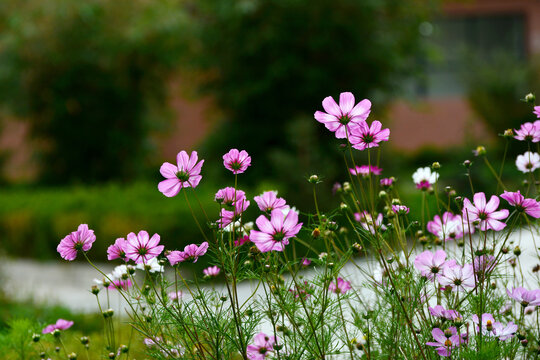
{"x": 361, "y": 110}
{"x": 168, "y": 170}
{"x": 493, "y": 204}
{"x": 346, "y": 102}
{"x": 480, "y": 201}
{"x": 331, "y": 107}
{"x": 170, "y": 187}
{"x": 264, "y": 225}
{"x": 324, "y": 118}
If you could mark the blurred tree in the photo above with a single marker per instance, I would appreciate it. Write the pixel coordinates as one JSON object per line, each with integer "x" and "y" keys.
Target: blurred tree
{"x": 270, "y": 63}
{"x": 85, "y": 74}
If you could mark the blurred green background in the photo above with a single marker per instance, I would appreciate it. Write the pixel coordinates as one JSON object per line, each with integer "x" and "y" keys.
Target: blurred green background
{"x": 90, "y": 93}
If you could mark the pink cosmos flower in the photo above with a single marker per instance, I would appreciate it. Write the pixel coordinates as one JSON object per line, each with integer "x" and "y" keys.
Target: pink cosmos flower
{"x": 118, "y": 284}
{"x": 366, "y": 220}
{"x": 529, "y": 206}
{"x": 237, "y": 161}
{"x": 185, "y": 174}
{"x": 432, "y": 264}
{"x": 269, "y": 201}
{"x": 228, "y": 216}
{"x": 458, "y": 277}
{"x": 424, "y": 178}
{"x": 211, "y": 271}
{"x": 364, "y": 137}
{"x": 400, "y": 209}
{"x": 175, "y": 295}
{"x": 275, "y": 233}
{"x": 387, "y": 182}
{"x": 141, "y": 248}
{"x": 528, "y": 162}
{"x": 440, "y": 312}
{"x": 81, "y": 239}
{"x": 341, "y": 119}
{"x": 487, "y": 322}
{"x": 485, "y": 213}
{"x": 536, "y": 111}
{"x": 228, "y": 196}
{"x": 61, "y": 324}
{"x": 262, "y": 345}
{"x": 191, "y": 252}
{"x": 241, "y": 240}
{"x": 340, "y": 286}
{"x": 528, "y": 132}
{"x": 525, "y": 297}
{"x": 117, "y": 250}
{"x": 484, "y": 264}
{"x": 306, "y": 262}
{"x": 504, "y": 332}
{"x": 444, "y": 344}
{"x": 448, "y": 228}
{"x": 365, "y": 170}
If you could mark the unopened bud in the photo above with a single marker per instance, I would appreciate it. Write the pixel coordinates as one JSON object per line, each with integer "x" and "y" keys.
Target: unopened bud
{"x": 72, "y": 356}
{"x": 480, "y": 151}
{"x": 383, "y": 194}
{"x": 346, "y": 187}
{"x": 314, "y": 179}
{"x": 508, "y": 133}
{"x": 95, "y": 289}
{"x": 448, "y": 333}
{"x": 316, "y": 233}
{"x": 436, "y": 165}
{"x": 124, "y": 349}
{"x": 112, "y": 355}
{"x": 517, "y": 251}
{"x": 85, "y": 340}
{"x": 396, "y": 202}
{"x": 530, "y": 98}
{"x": 467, "y": 163}
{"x": 36, "y": 337}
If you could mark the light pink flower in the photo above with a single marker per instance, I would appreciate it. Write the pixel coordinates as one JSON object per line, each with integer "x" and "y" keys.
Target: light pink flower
{"x": 365, "y": 170}
{"x": 432, "y": 264}
{"x": 61, "y": 324}
{"x": 269, "y": 201}
{"x": 441, "y": 312}
{"x": 458, "y": 277}
{"x": 400, "y": 209}
{"x": 444, "y": 344}
{"x": 341, "y": 119}
{"x": 211, "y": 271}
{"x": 525, "y": 297}
{"x": 366, "y": 220}
{"x": 228, "y": 216}
{"x": 185, "y": 174}
{"x": 529, "y": 206}
{"x": 387, "y": 182}
{"x": 275, "y": 233}
{"x": 262, "y": 345}
{"x": 536, "y": 111}
{"x": 141, "y": 248}
{"x": 306, "y": 262}
{"x": 487, "y": 323}
{"x": 528, "y": 162}
{"x": 118, "y": 284}
{"x": 485, "y": 213}
{"x": 81, "y": 239}
{"x": 228, "y": 196}
{"x": 191, "y": 252}
{"x": 340, "y": 286}
{"x": 449, "y": 228}
{"x": 117, "y": 250}
{"x": 175, "y": 295}
{"x": 364, "y": 137}
{"x": 237, "y": 161}
{"x": 504, "y": 332}
{"x": 484, "y": 264}
{"x": 528, "y": 132}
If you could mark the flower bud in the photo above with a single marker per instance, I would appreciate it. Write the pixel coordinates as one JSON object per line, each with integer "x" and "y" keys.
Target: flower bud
{"x": 85, "y": 340}
{"x": 436, "y": 165}
{"x": 316, "y": 233}
{"x": 460, "y": 243}
{"x": 423, "y": 240}
{"x": 505, "y": 250}
{"x": 480, "y": 151}
{"x": 72, "y": 356}
{"x": 530, "y": 98}
{"x": 112, "y": 355}
{"x": 95, "y": 289}
{"x": 36, "y": 337}
{"x": 56, "y": 333}
{"x": 278, "y": 347}
{"x": 223, "y": 298}
{"x": 521, "y": 335}
{"x": 448, "y": 333}
{"x": 467, "y": 163}
{"x": 356, "y": 246}
{"x": 124, "y": 349}
{"x": 42, "y": 355}
{"x": 396, "y": 202}
{"x": 343, "y": 206}
{"x": 524, "y": 342}
{"x": 346, "y": 187}
{"x": 508, "y": 133}
{"x": 314, "y": 179}
{"x": 517, "y": 251}
{"x": 383, "y": 194}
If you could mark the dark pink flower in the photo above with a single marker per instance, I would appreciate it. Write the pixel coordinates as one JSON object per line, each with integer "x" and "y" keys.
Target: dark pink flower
{"x": 340, "y": 286}
{"x": 444, "y": 344}
{"x": 241, "y": 240}
{"x": 61, "y": 324}
{"x": 341, "y": 119}
{"x": 400, "y": 209}
{"x": 117, "y": 250}
{"x": 228, "y": 196}
{"x": 118, "y": 284}
{"x": 227, "y": 216}
{"x": 262, "y": 345}
{"x": 141, "y": 248}
{"x": 191, "y": 252}
{"x": 185, "y": 174}
{"x": 485, "y": 213}
{"x": 364, "y": 137}
{"x": 365, "y": 170}
{"x": 529, "y": 206}
{"x": 387, "y": 182}
{"x": 236, "y": 161}
{"x": 269, "y": 201}
{"x": 525, "y": 297}
{"x": 528, "y": 132}
{"x": 306, "y": 262}
{"x": 449, "y": 228}
{"x": 275, "y": 233}
{"x": 80, "y": 240}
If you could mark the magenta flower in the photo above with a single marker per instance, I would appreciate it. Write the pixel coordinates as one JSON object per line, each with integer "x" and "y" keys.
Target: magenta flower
{"x": 529, "y": 206}
{"x": 432, "y": 264}
{"x": 365, "y": 170}
{"x": 306, "y": 262}
{"x": 363, "y": 137}
{"x": 341, "y": 119}
{"x": 141, "y": 248}
{"x": 387, "y": 182}
{"x": 340, "y": 286}
{"x": 528, "y": 162}
{"x": 228, "y": 216}
{"x": 261, "y": 347}
{"x": 444, "y": 344}
{"x": 275, "y": 233}
{"x": 117, "y": 250}
{"x": 269, "y": 201}
{"x": 61, "y": 324}
{"x": 485, "y": 213}
{"x": 186, "y": 174}
{"x": 528, "y": 132}
{"x": 81, "y": 239}
{"x": 458, "y": 277}
{"x": 450, "y": 227}
{"x": 211, "y": 271}
{"x": 191, "y": 252}
{"x": 236, "y": 161}
{"x": 400, "y": 209}
{"x": 228, "y": 196}
{"x": 525, "y": 297}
